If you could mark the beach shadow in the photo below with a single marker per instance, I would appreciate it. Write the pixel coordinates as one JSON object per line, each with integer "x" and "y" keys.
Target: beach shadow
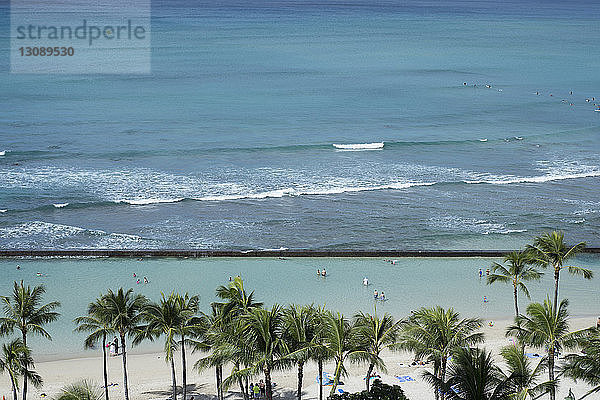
{"x": 192, "y": 390}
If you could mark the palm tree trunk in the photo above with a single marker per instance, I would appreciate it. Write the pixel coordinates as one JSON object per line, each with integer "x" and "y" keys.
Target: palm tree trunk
{"x": 551, "y": 372}
{"x": 105, "y": 370}
{"x": 173, "y": 378}
{"x": 368, "y": 377}
{"x": 320, "y": 363}
{"x": 300, "y": 376}
{"x": 184, "y": 372}
{"x": 246, "y": 392}
{"x": 336, "y": 379}
{"x": 14, "y": 387}
{"x": 443, "y": 375}
{"x": 25, "y": 372}
{"x": 556, "y": 277}
{"x": 217, "y": 382}
{"x": 516, "y": 303}
{"x": 268, "y": 386}
{"x": 220, "y": 382}
{"x": 242, "y": 388}
{"x": 124, "y": 357}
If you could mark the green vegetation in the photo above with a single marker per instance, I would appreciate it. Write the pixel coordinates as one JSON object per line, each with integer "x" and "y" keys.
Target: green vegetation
{"x": 255, "y": 341}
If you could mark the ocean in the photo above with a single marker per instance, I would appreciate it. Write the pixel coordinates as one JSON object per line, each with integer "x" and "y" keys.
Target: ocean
{"x": 228, "y": 142}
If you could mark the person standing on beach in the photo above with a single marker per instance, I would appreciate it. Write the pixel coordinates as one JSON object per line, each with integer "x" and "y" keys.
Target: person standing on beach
{"x": 261, "y": 386}
{"x": 480, "y": 273}
{"x": 116, "y": 342}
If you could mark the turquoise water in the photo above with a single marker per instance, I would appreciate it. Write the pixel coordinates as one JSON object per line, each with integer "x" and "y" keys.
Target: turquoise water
{"x": 228, "y": 142}
{"x": 411, "y": 283}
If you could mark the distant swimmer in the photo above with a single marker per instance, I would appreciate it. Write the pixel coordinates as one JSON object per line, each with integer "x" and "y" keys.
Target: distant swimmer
{"x": 487, "y": 272}
{"x": 134, "y": 275}
{"x": 571, "y": 92}
{"x": 537, "y": 93}
{"x": 480, "y": 272}
{"x": 485, "y": 299}
{"x": 366, "y": 281}
{"x": 137, "y": 282}
{"x": 382, "y": 296}
{"x": 18, "y": 267}
{"x": 488, "y": 86}
{"x": 230, "y": 279}
{"x": 375, "y": 294}
{"x": 464, "y": 83}
{"x": 323, "y": 273}
{"x": 145, "y": 280}
{"x": 39, "y": 274}
{"x": 318, "y": 272}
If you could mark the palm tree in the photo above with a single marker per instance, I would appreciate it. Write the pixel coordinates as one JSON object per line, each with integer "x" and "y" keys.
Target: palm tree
{"x": 381, "y": 334}
{"x": 97, "y": 323}
{"x": 319, "y": 352}
{"x": 545, "y": 326}
{"x": 526, "y": 375}
{"x": 517, "y": 273}
{"x": 551, "y": 250}
{"x": 208, "y": 340}
{"x": 124, "y": 310}
{"x": 300, "y": 333}
{"x": 163, "y": 319}
{"x": 585, "y": 367}
{"x": 262, "y": 334}
{"x": 344, "y": 342}
{"x": 472, "y": 375}
{"x": 435, "y": 334}
{"x": 15, "y": 361}
{"x": 190, "y": 324}
{"x": 23, "y": 311}
{"x": 237, "y": 300}
{"x": 83, "y": 390}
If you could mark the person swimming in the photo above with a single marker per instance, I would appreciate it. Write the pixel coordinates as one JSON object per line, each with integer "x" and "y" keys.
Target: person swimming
{"x": 323, "y": 273}
{"x": 145, "y": 280}
{"x": 480, "y": 272}
{"x": 375, "y": 294}
{"x": 382, "y": 296}
{"x": 366, "y": 281}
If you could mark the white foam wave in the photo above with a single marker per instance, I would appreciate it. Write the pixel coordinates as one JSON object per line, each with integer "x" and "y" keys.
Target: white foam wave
{"x": 360, "y": 146}
{"x": 507, "y": 179}
{"x": 150, "y": 201}
{"x": 472, "y": 225}
{"x": 60, "y": 205}
{"x": 2, "y": 153}
{"x": 3, "y": 210}
{"x": 279, "y": 249}
{"x": 321, "y": 192}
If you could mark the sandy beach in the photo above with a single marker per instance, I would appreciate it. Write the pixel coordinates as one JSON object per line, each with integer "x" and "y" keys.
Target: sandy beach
{"x": 149, "y": 375}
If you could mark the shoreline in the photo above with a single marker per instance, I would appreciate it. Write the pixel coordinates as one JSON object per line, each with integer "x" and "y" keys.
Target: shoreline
{"x": 205, "y": 253}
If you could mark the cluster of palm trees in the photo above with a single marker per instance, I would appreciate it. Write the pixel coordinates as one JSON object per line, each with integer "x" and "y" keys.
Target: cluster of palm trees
{"x": 254, "y": 341}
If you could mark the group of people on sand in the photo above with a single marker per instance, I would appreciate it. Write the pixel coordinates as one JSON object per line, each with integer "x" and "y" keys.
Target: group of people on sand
{"x": 258, "y": 390}
{"x": 321, "y": 272}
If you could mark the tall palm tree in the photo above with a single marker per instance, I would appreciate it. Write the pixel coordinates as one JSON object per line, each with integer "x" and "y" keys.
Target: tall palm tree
{"x": 585, "y": 367}
{"x": 97, "y": 324}
{"x": 125, "y": 312}
{"x": 344, "y": 342}
{"x": 319, "y": 352}
{"x": 262, "y": 333}
{"x": 435, "y": 334}
{"x": 83, "y": 390}
{"x": 23, "y": 311}
{"x": 545, "y": 326}
{"x": 163, "y": 319}
{"x": 190, "y": 324}
{"x": 381, "y": 334}
{"x": 517, "y": 272}
{"x": 208, "y": 340}
{"x": 300, "y": 333}
{"x": 550, "y": 250}
{"x": 527, "y": 375}
{"x": 472, "y": 375}
{"x": 15, "y": 360}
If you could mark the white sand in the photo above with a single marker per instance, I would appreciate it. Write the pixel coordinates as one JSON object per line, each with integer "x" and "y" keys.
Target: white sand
{"x": 150, "y": 378}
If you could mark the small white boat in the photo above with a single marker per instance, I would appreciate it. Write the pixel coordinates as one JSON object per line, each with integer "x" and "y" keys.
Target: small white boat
{"x": 359, "y": 146}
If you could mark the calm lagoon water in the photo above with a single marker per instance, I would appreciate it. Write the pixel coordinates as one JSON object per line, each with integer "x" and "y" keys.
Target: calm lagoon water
{"x": 411, "y": 283}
